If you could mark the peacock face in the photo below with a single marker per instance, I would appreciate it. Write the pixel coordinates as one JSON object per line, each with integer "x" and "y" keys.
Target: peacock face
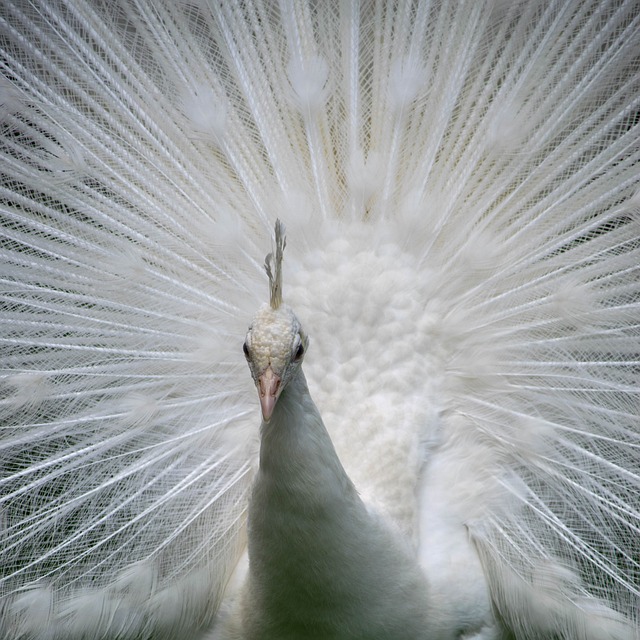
{"x": 274, "y": 348}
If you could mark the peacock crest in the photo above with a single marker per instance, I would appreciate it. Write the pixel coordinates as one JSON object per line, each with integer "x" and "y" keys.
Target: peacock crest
{"x": 273, "y": 266}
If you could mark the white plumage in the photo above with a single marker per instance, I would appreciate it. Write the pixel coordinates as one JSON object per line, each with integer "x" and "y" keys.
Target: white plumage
{"x": 460, "y": 184}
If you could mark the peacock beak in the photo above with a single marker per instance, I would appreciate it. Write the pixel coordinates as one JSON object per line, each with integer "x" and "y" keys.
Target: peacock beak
{"x": 269, "y": 390}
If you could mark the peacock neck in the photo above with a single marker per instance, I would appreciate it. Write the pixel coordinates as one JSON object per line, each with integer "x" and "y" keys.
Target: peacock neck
{"x": 297, "y": 458}
{"x": 320, "y": 562}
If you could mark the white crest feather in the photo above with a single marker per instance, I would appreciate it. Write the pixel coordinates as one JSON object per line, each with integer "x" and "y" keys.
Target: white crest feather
{"x": 273, "y": 266}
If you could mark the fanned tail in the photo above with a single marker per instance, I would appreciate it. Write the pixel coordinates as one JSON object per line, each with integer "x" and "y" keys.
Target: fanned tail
{"x": 460, "y": 187}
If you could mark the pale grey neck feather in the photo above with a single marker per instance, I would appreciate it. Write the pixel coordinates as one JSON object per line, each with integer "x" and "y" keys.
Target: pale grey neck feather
{"x": 321, "y": 565}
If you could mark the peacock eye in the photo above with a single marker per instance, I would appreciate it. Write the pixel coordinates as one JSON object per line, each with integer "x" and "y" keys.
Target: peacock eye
{"x": 245, "y": 349}
{"x": 299, "y": 353}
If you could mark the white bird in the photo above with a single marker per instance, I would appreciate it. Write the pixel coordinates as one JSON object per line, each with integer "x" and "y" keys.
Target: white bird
{"x": 460, "y": 183}
{"x": 321, "y": 564}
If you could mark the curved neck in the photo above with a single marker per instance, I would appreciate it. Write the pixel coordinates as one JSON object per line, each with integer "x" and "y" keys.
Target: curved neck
{"x": 319, "y": 561}
{"x": 297, "y": 456}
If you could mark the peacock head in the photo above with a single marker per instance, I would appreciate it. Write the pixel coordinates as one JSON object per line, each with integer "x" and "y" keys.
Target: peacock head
{"x": 275, "y": 344}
